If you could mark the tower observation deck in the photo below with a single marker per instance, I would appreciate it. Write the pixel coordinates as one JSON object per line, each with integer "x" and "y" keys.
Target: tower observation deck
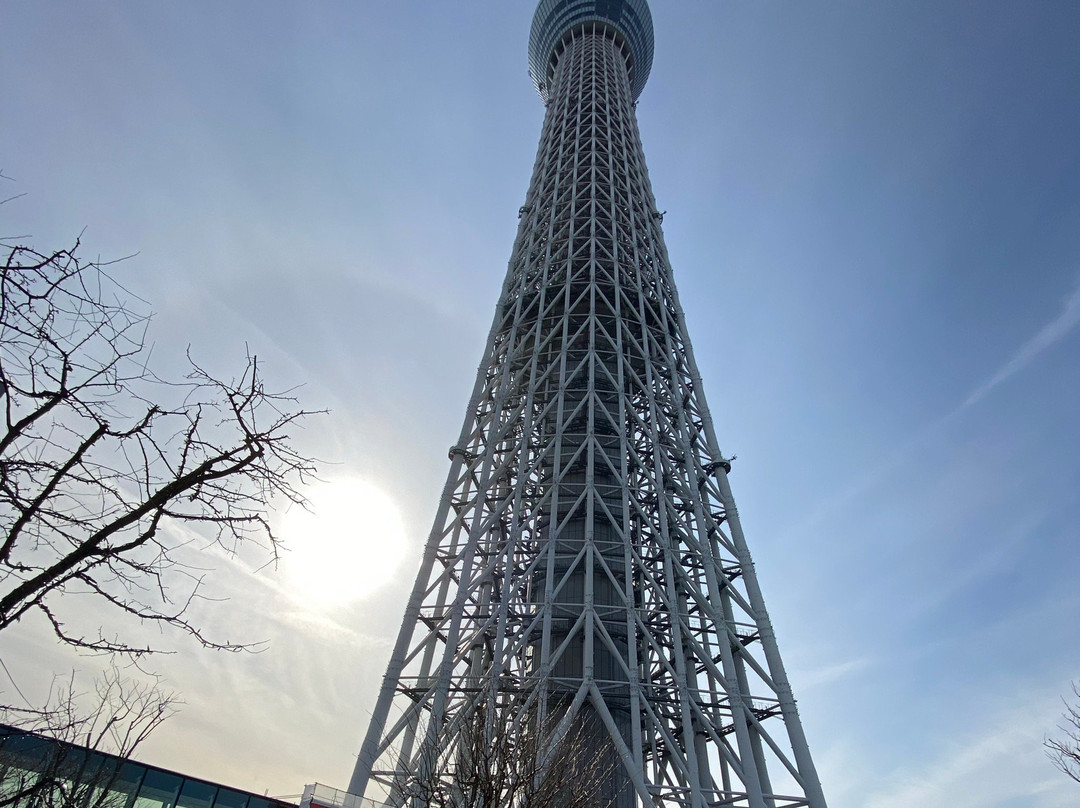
{"x": 587, "y": 575}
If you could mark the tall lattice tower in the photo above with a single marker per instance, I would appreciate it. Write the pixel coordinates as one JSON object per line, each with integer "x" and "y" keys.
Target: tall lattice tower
{"x": 587, "y": 562}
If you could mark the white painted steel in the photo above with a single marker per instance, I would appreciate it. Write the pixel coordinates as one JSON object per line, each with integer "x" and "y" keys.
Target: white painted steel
{"x": 587, "y": 558}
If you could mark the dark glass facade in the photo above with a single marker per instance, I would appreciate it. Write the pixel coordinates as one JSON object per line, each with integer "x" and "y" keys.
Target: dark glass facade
{"x": 554, "y": 18}
{"x": 51, "y": 773}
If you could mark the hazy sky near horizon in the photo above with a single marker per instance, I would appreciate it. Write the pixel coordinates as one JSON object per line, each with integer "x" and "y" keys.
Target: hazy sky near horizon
{"x": 873, "y": 214}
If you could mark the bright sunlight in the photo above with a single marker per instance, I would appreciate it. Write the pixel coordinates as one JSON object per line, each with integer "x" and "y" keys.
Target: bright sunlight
{"x": 344, "y": 546}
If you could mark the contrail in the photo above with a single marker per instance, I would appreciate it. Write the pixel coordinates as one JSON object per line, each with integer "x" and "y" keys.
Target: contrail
{"x": 1048, "y": 335}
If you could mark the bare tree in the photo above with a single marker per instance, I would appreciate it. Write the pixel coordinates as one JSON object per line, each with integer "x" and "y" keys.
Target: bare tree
{"x": 1064, "y": 750}
{"x": 500, "y": 762}
{"x": 53, "y": 764}
{"x": 108, "y": 473}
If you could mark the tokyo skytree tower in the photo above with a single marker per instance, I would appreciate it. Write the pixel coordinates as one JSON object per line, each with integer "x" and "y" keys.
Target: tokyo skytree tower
{"x": 587, "y": 563}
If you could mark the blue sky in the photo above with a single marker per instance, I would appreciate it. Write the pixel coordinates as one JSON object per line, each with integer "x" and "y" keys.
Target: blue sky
{"x": 874, "y": 222}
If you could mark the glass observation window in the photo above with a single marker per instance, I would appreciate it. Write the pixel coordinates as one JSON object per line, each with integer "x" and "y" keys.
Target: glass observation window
{"x": 227, "y": 798}
{"x": 124, "y": 784}
{"x": 196, "y": 794}
{"x": 159, "y": 790}
{"x": 259, "y": 802}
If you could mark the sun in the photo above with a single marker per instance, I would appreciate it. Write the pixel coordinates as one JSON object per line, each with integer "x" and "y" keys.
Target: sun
{"x": 345, "y": 546}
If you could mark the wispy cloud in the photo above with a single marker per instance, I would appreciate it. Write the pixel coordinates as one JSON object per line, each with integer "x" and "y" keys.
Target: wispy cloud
{"x": 998, "y": 765}
{"x": 1047, "y": 336}
{"x": 1050, "y": 334}
{"x": 829, "y": 674}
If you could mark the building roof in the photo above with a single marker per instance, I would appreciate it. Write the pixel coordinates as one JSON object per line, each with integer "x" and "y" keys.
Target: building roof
{"x": 51, "y": 771}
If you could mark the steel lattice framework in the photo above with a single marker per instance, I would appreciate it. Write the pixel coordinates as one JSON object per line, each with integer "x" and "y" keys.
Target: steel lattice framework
{"x": 587, "y": 557}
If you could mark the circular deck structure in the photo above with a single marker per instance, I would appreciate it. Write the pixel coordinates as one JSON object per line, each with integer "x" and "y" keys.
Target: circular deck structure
{"x": 556, "y": 20}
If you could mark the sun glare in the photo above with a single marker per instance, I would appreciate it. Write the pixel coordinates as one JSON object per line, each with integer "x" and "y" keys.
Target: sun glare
{"x": 344, "y": 546}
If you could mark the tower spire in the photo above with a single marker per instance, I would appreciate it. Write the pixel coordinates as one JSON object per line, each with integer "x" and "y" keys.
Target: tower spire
{"x": 587, "y": 566}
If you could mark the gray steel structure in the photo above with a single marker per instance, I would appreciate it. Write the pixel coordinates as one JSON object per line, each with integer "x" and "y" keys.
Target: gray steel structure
{"x": 587, "y": 561}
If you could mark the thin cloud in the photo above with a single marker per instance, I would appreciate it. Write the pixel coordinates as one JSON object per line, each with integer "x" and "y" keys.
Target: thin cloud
{"x": 1050, "y": 334}
{"x": 1002, "y": 763}
{"x": 832, "y": 673}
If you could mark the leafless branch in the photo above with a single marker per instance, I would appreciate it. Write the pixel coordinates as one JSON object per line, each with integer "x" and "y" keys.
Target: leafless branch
{"x": 116, "y": 719}
{"x": 499, "y": 760}
{"x": 102, "y": 463}
{"x": 1064, "y": 750}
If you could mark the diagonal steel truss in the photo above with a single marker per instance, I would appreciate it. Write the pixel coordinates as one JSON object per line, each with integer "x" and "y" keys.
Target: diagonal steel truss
{"x": 587, "y": 557}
